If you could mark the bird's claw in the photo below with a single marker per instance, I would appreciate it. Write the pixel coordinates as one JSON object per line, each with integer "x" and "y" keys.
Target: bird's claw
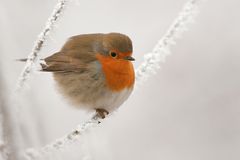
{"x": 101, "y": 112}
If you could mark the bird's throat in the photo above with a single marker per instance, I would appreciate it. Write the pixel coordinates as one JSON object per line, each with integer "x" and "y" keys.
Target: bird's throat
{"x": 119, "y": 73}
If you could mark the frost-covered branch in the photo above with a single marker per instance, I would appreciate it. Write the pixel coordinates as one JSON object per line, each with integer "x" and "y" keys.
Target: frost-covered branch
{"x": 65, "y": 141}
{"x": 33, "y": 56}
{"x": 162, "y": 48}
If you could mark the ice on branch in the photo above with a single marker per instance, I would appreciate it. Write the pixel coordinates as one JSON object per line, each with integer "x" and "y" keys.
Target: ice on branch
{"x": 162, "y": 48}
{"x": 32, "y": 58}
{"x": 61, "y": 143}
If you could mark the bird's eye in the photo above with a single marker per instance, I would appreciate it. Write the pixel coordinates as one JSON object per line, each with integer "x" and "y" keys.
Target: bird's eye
{"x": 113, "y": 54}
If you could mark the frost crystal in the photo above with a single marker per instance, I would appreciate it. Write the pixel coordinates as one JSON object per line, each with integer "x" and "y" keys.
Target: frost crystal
{"x": 33, "y": 56}
{"x": 63, "y": 142}
{"x": 162, "y": 48}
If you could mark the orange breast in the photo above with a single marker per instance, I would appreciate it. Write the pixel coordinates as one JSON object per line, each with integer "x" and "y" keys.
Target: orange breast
{"x": 119, "y": 73}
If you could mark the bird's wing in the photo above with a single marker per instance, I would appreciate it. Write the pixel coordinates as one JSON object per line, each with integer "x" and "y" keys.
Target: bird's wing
{"x": 60, "y": 62}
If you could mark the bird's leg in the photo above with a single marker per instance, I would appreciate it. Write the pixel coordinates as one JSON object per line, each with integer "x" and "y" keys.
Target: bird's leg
{"x": 102, "y": 112}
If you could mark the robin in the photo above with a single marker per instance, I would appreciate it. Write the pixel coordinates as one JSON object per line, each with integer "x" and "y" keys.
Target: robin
{"x": 94, "y": 71}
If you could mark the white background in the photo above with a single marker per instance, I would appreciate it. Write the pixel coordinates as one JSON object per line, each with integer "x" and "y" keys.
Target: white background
{"x": 190, "y": 110}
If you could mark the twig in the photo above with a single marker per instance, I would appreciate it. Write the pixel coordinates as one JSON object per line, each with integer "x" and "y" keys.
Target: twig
{"x": 66, "y": 140}
{"x": 162, "y": 48}
{"x": 33, "y": 56}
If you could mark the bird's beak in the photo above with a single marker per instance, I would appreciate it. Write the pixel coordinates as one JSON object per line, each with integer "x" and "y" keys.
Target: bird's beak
{"x": 129, "y": 58}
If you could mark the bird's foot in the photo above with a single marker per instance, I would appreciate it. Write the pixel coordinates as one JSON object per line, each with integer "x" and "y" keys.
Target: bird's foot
{"x": 102, "y": 112}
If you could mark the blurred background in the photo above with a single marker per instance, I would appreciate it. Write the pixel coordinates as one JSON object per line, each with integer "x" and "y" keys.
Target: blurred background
{"x": 189, "y": 110}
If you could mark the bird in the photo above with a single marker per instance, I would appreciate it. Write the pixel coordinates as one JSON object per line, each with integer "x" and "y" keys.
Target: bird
{"x": 94, "y": 71}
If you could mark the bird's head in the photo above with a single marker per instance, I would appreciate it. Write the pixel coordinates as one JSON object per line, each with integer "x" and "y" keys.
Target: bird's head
{"x": 114, "y": 47}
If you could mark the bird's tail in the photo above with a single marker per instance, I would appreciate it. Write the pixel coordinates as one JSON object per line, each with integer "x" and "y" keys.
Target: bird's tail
{"x": 42, "y": 64}
{"x": 21, "y": 59}
{"x": 25, "y": 60}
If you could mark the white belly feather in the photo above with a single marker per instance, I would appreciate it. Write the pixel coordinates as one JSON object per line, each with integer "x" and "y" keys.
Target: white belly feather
{"x": 112, "y": 100}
